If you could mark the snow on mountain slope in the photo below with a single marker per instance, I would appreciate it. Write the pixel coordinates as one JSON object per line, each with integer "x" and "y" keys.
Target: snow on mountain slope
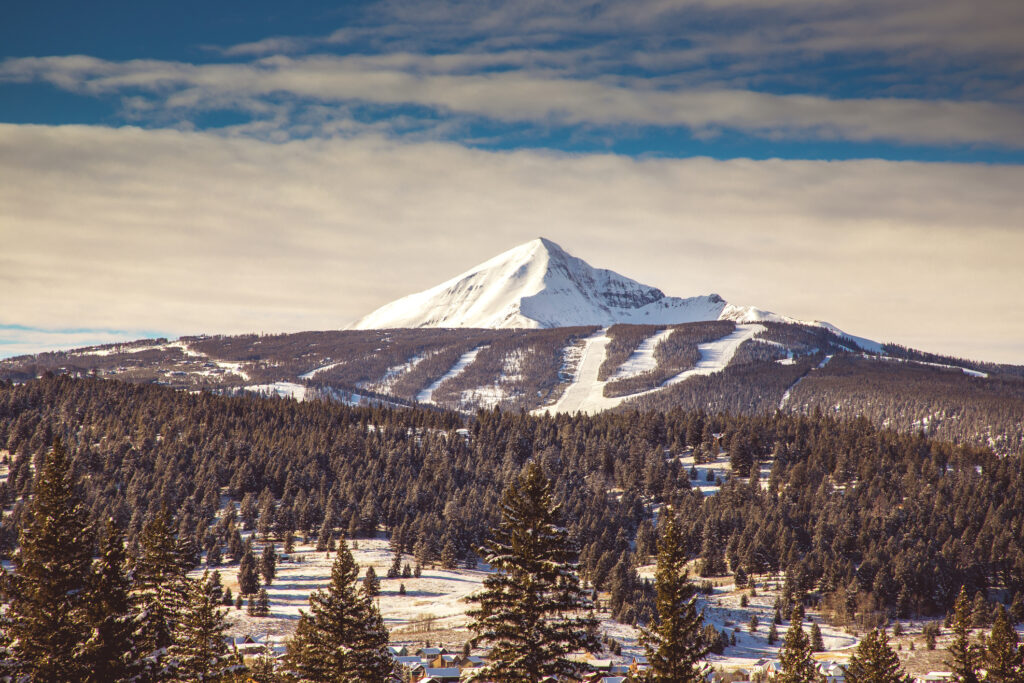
{"x": 539, "y": 285}
{"x": 585, "y": 393}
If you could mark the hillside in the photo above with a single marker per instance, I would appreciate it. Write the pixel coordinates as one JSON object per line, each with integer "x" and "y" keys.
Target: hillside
{"x": 717, "y": 366}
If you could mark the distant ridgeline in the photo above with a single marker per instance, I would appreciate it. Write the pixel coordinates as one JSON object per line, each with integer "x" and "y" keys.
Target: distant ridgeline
{"x": 867, "y": 523}
{"x": 798, "y": 368}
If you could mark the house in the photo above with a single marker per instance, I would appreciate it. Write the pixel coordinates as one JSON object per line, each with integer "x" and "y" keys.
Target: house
{"x": 398, "y": 650}
{"x": 935, "y": 677}
{"x": 832, "y": 672}
{"x": 445, "y": 675}
{"x": 248, "y": 645}
{"x": 428, "y": 653}
{"x": 446, "y": 660}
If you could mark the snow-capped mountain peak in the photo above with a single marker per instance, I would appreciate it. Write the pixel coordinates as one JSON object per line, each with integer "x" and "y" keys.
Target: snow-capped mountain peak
{"x": 539, "y": 285}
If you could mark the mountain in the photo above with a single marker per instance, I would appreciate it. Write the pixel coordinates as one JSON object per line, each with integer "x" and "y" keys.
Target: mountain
{"x": 538, "y": 329}
{"x": 540, "y": 285}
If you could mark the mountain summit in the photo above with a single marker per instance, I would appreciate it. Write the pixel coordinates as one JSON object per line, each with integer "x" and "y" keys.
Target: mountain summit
{"x": 540, "y": 285}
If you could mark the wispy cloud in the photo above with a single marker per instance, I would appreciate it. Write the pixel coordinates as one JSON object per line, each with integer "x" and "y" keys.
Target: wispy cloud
{"x": 529, "y": 95}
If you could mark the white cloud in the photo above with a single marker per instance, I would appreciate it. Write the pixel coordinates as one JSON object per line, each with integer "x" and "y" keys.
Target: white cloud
{"x": 192, "y": 232}
{"x": 527, "y": 95}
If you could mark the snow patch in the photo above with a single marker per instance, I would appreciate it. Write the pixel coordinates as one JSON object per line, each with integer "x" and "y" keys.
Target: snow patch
{"x": 426, "y": 395}
{"x": 282, "y": 389}
{"x": 716, "y": 355}
{"x": 642, "y": 359}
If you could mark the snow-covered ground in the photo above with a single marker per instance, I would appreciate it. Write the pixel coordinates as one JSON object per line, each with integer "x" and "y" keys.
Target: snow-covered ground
{"x": 714, "y": 356}
{"x": 283, "y": 389}
{"x": 434, "y": 606}
{"x": 718, "y": 469}
{"x": 315, "y": 371}
{"x": 426, "y": 395}
{"x": 642, "y": 359}
{"x": 942, "y": 366}
{"x": 585, "y": 393}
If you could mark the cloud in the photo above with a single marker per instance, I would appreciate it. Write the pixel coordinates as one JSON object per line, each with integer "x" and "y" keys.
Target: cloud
{"x": 528, "y": 95}
{"x": 192, "y": 232}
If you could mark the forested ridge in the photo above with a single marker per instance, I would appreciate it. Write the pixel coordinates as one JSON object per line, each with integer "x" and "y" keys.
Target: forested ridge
{"x": 865, "y": 522}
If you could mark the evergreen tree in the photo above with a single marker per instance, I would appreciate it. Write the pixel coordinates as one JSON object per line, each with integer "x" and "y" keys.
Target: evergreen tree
{"x": 268, "y": 564}
{"x": 449, "y": 555}
{"x": 161, "y": 591}
{"x": 371, "y": 584}
{"x": 199, "y": 649}
{"x": 342, "y": 638}
{"x": 817, "y": 642}
{"x": 675, "y": 645}
{"x": 532, "y": 610}
{"x": 263, "y": 603}
{"x": 874, "y": 661}
{"x": 795, "y": 657}
{"x": 965, "y": 658}
{"x": 1004, "y": 658}
{"x": 773, "y": 634}
{"x": 111, "y": 648}
{"x": 248, "y": 574}
{"x": 395, "y": 570}
{"x": 47, "y": 613}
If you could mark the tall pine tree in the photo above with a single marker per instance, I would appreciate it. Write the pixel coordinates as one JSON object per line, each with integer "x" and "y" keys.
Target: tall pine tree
{"x": 795, "y": 658}
{"x": 532, "y": 610}
{"x": 1004, "y": 658}
{"x": 874, "y": 661}
{"x": 342, "y": 638}
{"x": 199, "y": 649}
{"x": 111, "y": 648}
{"x": 675, "y": 645}
{"x": 48, "y": 613}
{"x": 161, "y": 590}
{"x": 965, "y": 657}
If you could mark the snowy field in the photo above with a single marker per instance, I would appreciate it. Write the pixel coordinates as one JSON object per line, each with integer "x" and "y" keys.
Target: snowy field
{"x": 433, "y": 607}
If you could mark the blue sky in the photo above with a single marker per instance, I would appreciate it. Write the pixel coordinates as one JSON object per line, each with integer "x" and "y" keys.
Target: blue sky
{"x": 932, "y": 88}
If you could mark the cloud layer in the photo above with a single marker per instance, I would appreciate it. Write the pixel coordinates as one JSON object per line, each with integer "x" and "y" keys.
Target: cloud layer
{"x": 190, "y": 232}
{"x": 514, "y": 96}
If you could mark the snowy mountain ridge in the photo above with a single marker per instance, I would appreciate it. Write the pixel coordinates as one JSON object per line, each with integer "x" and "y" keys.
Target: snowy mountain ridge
{"x": 540, "y": 285}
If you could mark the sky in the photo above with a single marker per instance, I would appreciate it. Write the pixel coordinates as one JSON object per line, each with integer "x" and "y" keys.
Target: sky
{"x": 195, "y": 167}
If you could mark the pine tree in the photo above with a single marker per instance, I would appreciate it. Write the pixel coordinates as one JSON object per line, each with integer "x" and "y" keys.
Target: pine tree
{"x": 342, "y": 638}
{"x": 248, "y": 574}
{"x": 532, "y": 610}
{"x": 47, "y": 614}
{"x": 449, "y": 555}
{"x": 874, "y": 661}
{"x": 371, "y": 584}
{"x": 964, "y": 656}
{"x": 111, "y": 648}
{"x": 817, "y": 642}
{"x": 395, "y": 570}
{"x": 161, "y": 590}
{"x": 1004, "y": 658}
{"x": 199, "y": 650}
{"x": 795, "y": 657}
{"x": 268, "y": 564}
{"x": 674, "y": 644}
